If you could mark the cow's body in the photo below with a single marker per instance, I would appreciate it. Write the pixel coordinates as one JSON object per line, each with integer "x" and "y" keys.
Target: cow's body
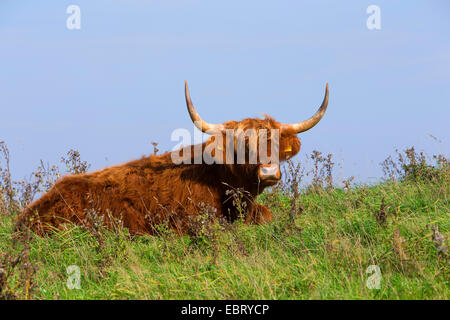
{"x": 144, "y": 193}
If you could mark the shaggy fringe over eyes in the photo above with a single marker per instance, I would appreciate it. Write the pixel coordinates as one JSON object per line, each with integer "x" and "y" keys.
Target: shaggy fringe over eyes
{"x": 289, "y": 145}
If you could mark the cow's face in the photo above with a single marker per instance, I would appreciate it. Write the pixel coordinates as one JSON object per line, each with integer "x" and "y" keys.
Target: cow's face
{"x": 254, "y": 147}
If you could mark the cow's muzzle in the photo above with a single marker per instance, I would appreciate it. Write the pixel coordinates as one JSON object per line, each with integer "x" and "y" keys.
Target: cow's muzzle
{"x": 269, "y": 174}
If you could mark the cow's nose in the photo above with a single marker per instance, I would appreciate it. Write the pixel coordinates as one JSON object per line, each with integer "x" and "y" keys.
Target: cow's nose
{"x": 269, "y": 172}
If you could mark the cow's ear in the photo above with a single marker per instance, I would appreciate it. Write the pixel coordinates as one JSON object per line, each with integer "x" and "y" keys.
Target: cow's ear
{"x": 214, "y": 150}
{"x": 289, "y": 147}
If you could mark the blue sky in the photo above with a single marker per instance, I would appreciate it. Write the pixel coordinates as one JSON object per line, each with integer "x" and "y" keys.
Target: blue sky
{"x": 114, "y": 86}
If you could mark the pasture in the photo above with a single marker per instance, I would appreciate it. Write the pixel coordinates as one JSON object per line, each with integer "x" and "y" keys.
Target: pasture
{"x": 319, "y": 246}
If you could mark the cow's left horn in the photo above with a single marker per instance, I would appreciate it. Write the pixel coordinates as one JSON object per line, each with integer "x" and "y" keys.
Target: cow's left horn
{"x": 294, "y": 128}
{"x": 195, "y": 117}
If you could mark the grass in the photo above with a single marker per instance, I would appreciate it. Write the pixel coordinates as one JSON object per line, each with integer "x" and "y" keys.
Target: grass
{"x": 321, "y": 249}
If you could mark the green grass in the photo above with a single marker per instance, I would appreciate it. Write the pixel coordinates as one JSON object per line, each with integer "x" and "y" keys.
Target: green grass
{"x": 324, "y": 254}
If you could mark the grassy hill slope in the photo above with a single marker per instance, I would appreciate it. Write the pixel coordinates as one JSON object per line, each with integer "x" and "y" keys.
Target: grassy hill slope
{"x": 320, "y": 245}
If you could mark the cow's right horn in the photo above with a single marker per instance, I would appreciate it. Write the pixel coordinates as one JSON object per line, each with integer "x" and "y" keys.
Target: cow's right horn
{"x": 294, "y": 128}
{"x": 195, "y": 117}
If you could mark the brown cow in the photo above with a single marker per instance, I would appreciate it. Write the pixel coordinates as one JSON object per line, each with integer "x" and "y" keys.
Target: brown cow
{"x": 146, "y": 192}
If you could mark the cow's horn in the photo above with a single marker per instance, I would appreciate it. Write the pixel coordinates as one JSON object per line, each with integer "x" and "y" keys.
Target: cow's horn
{"x": 294, "y": 128}
{"x": 195, "y": 117}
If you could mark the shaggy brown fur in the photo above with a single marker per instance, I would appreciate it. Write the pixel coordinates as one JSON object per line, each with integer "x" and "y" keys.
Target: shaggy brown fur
{"x": 144, "y": 193}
